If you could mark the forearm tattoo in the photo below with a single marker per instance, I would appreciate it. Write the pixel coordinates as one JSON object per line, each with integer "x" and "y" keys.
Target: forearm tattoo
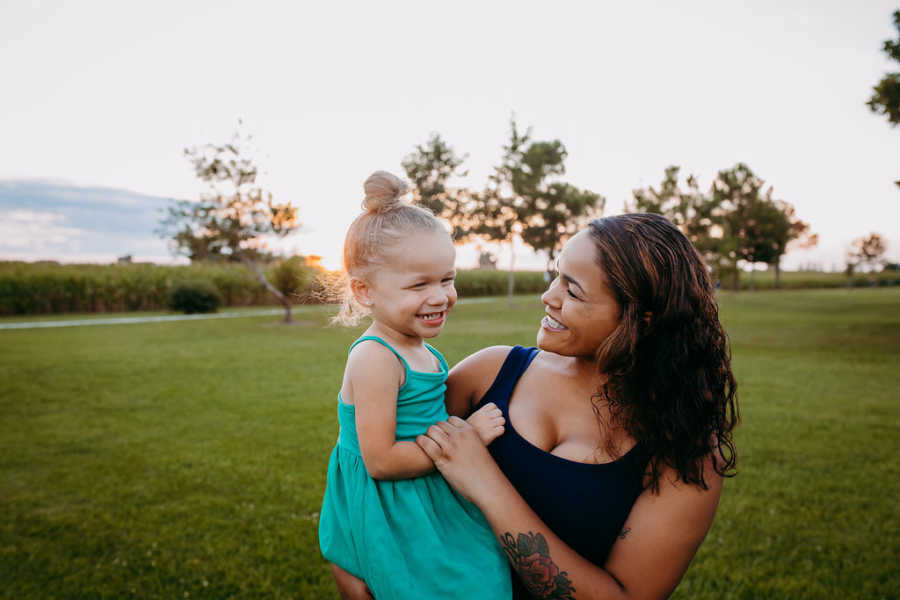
{"x": 624, "y": 533}
{"x": 530, "y": 557}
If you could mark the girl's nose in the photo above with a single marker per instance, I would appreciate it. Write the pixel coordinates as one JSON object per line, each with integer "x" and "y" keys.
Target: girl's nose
{"x": 439, "y": 296}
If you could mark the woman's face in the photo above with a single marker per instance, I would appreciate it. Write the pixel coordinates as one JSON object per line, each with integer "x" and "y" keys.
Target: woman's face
{"x": 581, "y": 309}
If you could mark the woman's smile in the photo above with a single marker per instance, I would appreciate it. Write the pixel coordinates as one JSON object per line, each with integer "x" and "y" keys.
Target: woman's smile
{"x": 552, "y": 324}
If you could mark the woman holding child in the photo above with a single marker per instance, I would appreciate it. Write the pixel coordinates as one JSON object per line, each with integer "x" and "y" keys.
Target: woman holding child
{"x": 618, "y": 426}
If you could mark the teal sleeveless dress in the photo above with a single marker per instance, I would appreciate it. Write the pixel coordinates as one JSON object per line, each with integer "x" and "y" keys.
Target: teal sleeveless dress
{"x": 410, "y": 538}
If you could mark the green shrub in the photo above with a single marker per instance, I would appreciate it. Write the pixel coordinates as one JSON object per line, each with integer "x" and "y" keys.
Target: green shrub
{"x": 195, "y": 297}
{"x": 490, "y": 282}
{"x": 292, "y": 277}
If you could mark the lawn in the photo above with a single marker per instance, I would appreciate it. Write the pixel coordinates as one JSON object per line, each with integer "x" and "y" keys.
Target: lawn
{"x": 187, "y": 459}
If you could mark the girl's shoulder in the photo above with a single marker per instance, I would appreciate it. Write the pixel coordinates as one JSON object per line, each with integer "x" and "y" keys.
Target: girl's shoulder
{"x": 370, "y": 359}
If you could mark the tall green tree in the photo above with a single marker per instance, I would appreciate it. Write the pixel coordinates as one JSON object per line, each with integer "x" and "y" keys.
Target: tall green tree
{"x": 734, "y": 221}
{"x": 526, "y": 198}
{"x": 742, "y": 206}
{"x": 429, "y": 167}
{"x": 694, "y": 212}
{"x": 231, "y": 220}
{"x": 885, "y": 98}
{"x": 791, "y": 233}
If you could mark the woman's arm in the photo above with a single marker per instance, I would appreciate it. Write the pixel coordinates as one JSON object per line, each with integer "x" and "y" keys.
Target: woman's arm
{"x": 375, "y": 375}
{"x": 659, "y": 539}
{"x": 471, "y": 378}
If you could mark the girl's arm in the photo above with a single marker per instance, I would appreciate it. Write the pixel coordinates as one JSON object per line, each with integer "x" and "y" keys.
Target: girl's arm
{"x": 375, "y": 375}
{"x": 657, "y": 543}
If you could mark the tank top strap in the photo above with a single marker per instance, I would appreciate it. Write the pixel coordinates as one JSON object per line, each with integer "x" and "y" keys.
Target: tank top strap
{"x": 440, "y": 357}
{"x": 516, "y": 363}
{"x": 383, "y": 343}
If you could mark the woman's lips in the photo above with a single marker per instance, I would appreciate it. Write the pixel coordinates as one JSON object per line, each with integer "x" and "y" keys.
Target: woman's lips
{"x": 552, "y": 324}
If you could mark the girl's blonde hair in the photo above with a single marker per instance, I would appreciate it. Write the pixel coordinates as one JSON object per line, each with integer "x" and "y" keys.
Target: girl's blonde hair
{"x": 384, "y": 220}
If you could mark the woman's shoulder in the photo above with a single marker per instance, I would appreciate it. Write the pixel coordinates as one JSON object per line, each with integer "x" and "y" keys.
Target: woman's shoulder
{"x": 488, "y": 360}
{"x": 471, "y": 377}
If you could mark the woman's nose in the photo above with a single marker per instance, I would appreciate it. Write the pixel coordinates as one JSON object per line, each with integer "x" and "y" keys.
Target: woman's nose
{"x": 550, "y": 297}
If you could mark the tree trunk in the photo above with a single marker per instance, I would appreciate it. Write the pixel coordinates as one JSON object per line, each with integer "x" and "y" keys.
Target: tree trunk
{"x": 778, "y": 273}
{"x": 282, "y": 299}
{"x": 734, "y": 277}
{"x": 753, "y": 278}
{"x": 548, "y": 272}
{"x": 512, "y": 274}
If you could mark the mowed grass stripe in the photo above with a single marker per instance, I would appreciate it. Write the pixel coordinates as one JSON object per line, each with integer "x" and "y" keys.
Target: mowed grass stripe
{"x": 187, "y": 459}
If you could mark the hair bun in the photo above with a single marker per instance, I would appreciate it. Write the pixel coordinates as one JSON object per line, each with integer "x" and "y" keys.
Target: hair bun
{"x": 383, "y": 191}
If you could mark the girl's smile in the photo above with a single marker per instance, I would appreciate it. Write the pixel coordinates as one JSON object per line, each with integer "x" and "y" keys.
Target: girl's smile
{"x": 412, "y": 291}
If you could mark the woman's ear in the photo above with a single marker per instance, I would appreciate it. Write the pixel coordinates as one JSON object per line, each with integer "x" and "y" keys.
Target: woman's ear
{"x": 361, "y": 291}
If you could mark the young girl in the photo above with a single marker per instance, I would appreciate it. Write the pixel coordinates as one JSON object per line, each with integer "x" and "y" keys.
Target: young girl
{"x": 388, "y": 517}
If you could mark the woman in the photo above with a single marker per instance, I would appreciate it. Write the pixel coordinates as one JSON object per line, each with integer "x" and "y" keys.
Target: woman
{"x": 618, "y": 430}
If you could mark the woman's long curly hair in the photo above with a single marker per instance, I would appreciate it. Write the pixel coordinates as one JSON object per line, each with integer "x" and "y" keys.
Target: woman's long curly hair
{"x": 668, "y": 364}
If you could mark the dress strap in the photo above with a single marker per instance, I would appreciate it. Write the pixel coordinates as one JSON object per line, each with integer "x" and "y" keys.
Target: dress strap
{"x": 441, "y": 362}
{"x": 383, "y": 343}
{"x": 515, "y": 364}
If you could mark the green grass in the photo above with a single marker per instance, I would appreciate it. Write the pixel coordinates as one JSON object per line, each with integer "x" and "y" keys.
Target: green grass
{"x": 187, "y": 459}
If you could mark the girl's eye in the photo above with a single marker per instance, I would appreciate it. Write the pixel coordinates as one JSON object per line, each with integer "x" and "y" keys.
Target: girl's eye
{"x": 447, "y": 280}
{"x": 573, "y": 295}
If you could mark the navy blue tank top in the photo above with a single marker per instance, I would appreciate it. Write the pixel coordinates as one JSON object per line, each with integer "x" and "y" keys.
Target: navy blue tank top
{"x": 584, "y": 504}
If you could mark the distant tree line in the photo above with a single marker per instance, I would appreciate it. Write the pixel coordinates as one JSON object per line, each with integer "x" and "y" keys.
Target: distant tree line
{"x": 736, "y": 220}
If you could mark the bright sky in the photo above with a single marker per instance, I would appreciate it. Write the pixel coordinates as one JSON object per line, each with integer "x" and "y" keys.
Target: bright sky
{"x": 109, "y": 93}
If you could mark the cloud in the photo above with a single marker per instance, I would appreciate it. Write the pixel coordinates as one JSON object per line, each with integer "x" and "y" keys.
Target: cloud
{"x": 48, "y": 220}
{"x": 35, "y": 231}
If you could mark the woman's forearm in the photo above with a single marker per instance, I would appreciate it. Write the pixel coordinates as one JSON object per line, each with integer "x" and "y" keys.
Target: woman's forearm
{"x": 547, "y": 566}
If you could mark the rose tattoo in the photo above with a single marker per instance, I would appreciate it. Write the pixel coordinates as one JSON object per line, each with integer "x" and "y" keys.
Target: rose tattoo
{"x": 530, "y": 557}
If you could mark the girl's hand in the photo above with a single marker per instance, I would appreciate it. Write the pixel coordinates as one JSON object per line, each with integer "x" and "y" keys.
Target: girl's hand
{"x": 460, "y": 456}
{"x": 488, "y": 422}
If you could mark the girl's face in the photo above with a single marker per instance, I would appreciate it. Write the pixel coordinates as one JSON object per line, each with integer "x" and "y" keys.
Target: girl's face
{"x": 412, "y": 291}
{"x": 581, "y": 309}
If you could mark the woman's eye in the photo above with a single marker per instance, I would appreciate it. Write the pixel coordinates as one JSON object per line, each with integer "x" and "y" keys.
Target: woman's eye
{"x": 573, "y": 295}
{"x": 447, "y": 280}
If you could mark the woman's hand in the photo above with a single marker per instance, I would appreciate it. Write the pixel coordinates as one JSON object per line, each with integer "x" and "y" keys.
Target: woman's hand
{"x": 461, "y": 457}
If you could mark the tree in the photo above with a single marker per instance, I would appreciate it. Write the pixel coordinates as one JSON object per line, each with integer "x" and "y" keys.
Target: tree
{"x": 867, "y": 251}
{"x": 795, "y": 234}
{"x": 885, "y": 98}
{"x": 695, "y": 213}
{"x": 229, "y": 222}
{"x": 735, "y": 221}
{"x": 526, "y": 199}
{"x": 429, "y": 167}
{"x": 747, "y": 218}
